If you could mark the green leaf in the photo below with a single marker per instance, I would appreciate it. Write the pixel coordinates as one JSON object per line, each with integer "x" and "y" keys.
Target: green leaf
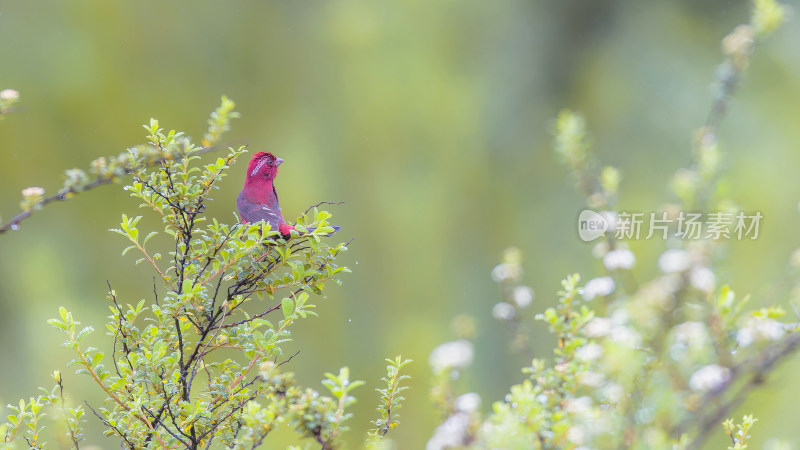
{"x": 287, "y": 306}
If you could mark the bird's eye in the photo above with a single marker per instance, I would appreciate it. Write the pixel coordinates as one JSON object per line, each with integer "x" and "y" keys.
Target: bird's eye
{"x": 269, "y": 162}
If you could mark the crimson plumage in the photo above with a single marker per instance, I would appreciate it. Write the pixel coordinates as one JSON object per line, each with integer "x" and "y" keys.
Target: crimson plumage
{"x": 259, "y": 200}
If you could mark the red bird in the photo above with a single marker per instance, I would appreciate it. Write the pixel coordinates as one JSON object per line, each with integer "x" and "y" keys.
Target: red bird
{"x": 258, "y": 200}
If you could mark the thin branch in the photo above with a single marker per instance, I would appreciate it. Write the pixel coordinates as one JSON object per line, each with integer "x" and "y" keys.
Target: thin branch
{"x": 108, "y": 424}
{"x": 288, "y": 359}
{"x": 171, "y": 433}
{"x": 758, "y": 366}
{"x": 13, "y": 224}
{"x": 205, "y": 347}
{"x": 157, "y": 417}
{"x": 320, "y": 204}
{"x": 218, "y": 404}
{"x": 259, "y": 315}
{"x": 155, "y": 292}
{"x": 67, "y": 193}
{"x": 181, "y": 365}
{"x": 233, "y": 411}
{"x": 119, "y": 329}
{"x": 73, "y": 432}
{"x": 247, "y": 369}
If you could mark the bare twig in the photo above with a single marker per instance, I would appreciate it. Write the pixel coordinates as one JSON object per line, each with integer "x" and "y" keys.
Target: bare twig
{"x": 288, "y": 359}
{"x": 108, "y": 424}
{"x": 252, "y": 318}
{"x": 322, "y": 203}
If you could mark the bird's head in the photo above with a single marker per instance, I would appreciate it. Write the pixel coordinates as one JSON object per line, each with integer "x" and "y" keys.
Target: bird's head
{"x": 263, "y": 166}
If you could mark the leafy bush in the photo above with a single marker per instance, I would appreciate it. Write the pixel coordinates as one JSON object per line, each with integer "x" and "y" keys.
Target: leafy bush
{"x": 200, "y": 362}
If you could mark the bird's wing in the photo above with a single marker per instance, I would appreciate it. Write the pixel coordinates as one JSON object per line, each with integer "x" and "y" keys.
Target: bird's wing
{"x": 256, "y": 212}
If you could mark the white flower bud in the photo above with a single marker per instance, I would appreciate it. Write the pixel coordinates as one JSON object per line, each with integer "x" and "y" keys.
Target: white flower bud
{"x": 523, "y": 296}
{"x": 469, "y": 402}
{"x": 503, "y": 311}
{"x": 619, "y": 259}
{"x": 598, "y": 287}
{"x": 674, "y": 260}
{"x": 9, "y": 94}
{"x": 455, "y": 354}
{"x": 709, "y": 378}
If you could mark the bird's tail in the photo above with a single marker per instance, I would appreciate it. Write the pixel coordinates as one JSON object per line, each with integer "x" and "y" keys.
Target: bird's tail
{"x": 335, "y": 229}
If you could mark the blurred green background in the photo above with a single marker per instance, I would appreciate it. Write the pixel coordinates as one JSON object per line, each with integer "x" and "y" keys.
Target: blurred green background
{"x": 431, "y": 120}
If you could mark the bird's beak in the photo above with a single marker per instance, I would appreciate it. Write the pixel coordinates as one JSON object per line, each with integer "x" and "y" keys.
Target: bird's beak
{"x": 278, "y": 162}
